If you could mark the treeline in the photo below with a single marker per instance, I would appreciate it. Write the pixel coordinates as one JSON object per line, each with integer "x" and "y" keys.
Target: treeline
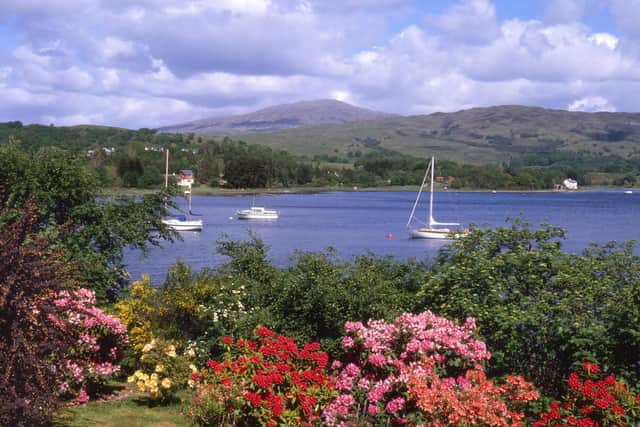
{"x": 128, "y": 158}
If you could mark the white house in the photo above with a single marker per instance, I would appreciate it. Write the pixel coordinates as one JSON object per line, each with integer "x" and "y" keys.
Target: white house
{"x": 570, "y": 184}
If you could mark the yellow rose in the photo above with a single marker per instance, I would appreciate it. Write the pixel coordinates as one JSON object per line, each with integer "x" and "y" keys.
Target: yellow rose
{"x": 190, "y": 353}
{"x": 131, "y": 379}
{"x": 147, "y": 348}
{"x": 159, "y": 367}
{"x": 166, "y": 383}
{"x": 140, "y": 385}
{"x": 193, "y": 368}
{"x": 138, "y": 373}
{"x": 191, "y": 383}
{"x": 154, "y": 377}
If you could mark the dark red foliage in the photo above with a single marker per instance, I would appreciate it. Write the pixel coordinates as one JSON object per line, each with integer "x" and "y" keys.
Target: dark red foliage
{"x": 30, "y": 277}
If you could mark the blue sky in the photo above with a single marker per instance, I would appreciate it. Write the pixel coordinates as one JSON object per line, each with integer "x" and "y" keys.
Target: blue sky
{"x": 148, "y": 63}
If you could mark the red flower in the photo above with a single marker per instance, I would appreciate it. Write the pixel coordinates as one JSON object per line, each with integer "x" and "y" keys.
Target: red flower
{"x": 253, "y": 398}
{"x": 227, "y": 340}
{"x": 265, "y": 332}
{"x": 618, "y": 410}
{"x": 574, "y": 381}
{"x": 590, "y": 368}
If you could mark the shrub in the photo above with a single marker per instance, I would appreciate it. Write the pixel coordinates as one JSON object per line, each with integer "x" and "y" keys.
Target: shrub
{"x": 408, "y": 371}
{"x": 30, "y": 277}
{"x": 99, "y": 344}
{"x": 269, "y": 381}
{"x": 163, "y": 370}
{"x": 593, "y": 400}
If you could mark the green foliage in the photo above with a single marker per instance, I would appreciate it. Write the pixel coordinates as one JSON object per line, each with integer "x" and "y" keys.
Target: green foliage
{"x": 541, "y": 310}
{"x": 92, "y": 230}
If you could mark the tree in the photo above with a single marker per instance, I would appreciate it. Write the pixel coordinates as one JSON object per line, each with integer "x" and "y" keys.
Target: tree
{"x": 93, "y": 230}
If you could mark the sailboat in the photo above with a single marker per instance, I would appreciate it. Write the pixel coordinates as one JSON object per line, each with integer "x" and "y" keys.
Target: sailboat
{"x": 433, "y": 229}
{"x": 181, "y": 222}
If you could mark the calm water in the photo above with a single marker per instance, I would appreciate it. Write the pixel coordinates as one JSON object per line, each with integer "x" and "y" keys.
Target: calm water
{"x": 359, "y": 222}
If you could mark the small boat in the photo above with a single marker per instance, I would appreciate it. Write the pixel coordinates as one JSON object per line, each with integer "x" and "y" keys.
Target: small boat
{"x": 628, "y": 192}
{"x": 181, "y": 222}
{"x": 432, "y": 229}
{"x": 257, "y": 212}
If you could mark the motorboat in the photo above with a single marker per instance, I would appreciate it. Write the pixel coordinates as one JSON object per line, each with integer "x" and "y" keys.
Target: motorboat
{"x": 257, "y": 212}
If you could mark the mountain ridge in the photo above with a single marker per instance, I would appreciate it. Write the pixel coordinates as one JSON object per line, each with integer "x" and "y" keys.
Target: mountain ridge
{"x": 279, "y": 117}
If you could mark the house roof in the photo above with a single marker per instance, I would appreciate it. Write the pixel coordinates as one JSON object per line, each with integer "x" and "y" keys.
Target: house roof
{"x": 186, "y": 172}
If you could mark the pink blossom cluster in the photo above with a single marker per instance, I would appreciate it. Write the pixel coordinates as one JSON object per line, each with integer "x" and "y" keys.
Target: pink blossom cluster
{"x": 382, "y": 356}
{"x": 100, "y": 339}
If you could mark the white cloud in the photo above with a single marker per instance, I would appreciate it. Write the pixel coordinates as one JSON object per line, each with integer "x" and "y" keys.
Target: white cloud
{"x": 472, "y": 21}
{"x": 591, "y": 104}
{"x": 95, "y": 60}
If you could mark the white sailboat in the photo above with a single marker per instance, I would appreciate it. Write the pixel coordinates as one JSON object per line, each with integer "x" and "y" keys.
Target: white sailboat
{"x": 181, "y": 222}
{"x": 432, "y": 229}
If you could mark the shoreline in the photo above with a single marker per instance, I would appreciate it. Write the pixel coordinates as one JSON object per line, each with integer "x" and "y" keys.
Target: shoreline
{"x": 214, "y": 191}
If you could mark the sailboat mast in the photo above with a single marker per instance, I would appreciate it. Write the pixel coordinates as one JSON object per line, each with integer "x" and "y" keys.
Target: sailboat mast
{"x": 166, "y": 168}
{"x": 433, "y": 166}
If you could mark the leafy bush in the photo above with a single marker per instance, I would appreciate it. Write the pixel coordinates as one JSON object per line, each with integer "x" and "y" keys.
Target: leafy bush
{"x": 31, "y": 275}
{"x": 541, "y": 310}
{"x": 268, "y": 381}
{"x": 163, "y": 370}
{"x": 413, "y": 370}
{"x": 593, "y": 400}
{"x": 99, "y": 344}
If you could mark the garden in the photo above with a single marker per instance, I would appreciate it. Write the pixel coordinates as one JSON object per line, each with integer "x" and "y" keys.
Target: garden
{"x": 502, "y": 328}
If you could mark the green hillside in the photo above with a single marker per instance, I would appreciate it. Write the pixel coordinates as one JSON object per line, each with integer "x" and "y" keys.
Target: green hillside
{"x": 478, "y": 136}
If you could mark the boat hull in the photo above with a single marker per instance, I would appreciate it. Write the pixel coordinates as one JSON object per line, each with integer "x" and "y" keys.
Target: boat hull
{"x": 241, "y": 215}
{"x": 431, "y": 233}
{"x": 258, "y": 213}
{"x": 186, "y": 225}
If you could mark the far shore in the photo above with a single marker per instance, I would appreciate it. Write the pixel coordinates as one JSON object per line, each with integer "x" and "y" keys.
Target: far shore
{"x": 202, "y": 190}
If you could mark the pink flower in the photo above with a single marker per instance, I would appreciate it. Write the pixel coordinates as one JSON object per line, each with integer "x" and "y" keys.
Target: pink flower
{"x": 395, "y": 405}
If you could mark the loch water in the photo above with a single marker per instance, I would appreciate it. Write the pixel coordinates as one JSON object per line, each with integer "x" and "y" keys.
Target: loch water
{"x": 359, "y": 222}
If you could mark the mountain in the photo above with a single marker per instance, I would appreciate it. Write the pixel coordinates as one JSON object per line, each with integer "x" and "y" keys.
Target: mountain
{"x": 285, "y": 116}
{"x": 477, "y": 135}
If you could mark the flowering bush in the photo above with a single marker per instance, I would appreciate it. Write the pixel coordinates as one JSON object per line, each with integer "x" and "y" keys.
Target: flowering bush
{"x": 594, "y": 400}
{"x": 100, "y": 340}
{"x": 136, "y": 311}
{"x": 163, "y": 371}
{"x": 269, "y": 381}
{"x": 420, "y": 369}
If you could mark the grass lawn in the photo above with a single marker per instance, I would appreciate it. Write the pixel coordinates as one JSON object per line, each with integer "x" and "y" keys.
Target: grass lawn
{"x": 135, "y": 410}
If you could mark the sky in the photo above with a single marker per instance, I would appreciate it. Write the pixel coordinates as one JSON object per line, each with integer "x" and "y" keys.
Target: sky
{"x": 149, "y": 63}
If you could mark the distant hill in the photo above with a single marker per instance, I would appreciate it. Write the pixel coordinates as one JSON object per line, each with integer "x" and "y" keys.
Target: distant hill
{"x": 478, "y": 135}
{"x": 285, "y": 116}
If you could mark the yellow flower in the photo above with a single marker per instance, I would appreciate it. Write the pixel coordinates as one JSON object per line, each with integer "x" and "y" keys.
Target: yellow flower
{"x": 191, "y": 383}
{"x": 140, "y": 385}
{"x": 138, "y": 373}
{"x": 171, "y": 351}
{"x": 144, "y": 356}
{"x": 193, "y": 368}
{"x": 154, "y": 377}
{"x": 190, "y": 353}
{"x": 131, "y": 379}
{"x": 147, "y": 348}
{"x": 159, "y": 367}
{"x": 166, "y": 383}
